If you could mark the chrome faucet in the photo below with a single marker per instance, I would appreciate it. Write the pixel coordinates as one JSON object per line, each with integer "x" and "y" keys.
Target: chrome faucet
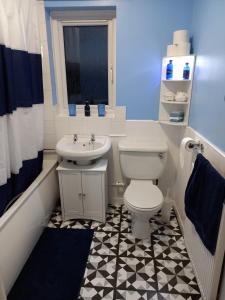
{"x": 92, "y": 138}
{"x": 75, "y": 138}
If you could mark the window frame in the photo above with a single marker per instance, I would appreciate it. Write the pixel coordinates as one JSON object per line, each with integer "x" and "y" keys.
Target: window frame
{"x": 59, "y": 59}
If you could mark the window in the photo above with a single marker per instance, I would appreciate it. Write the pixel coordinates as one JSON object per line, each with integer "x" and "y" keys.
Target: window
{"x": 84, "y": 61}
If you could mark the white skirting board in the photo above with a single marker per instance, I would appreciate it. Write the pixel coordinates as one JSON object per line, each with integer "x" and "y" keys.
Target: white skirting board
{"x": 207, "y": 267}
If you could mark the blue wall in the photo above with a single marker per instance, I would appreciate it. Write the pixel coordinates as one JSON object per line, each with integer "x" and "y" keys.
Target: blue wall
{"x": 144, "y": 28}
{"x": 207, "y": 114}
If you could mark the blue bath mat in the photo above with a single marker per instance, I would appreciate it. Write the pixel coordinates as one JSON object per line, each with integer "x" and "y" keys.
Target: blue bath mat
{"x": 55, "y": 268}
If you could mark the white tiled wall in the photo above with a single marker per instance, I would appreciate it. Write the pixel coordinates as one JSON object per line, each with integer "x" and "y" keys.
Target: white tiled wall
{"x": 87, "y": 125}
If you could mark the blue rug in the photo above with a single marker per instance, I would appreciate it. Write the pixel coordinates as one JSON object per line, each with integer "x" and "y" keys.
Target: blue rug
{"x": 55, "y": 268}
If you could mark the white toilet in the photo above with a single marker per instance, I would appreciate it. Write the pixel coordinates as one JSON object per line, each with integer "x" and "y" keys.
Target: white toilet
{"x": 142, "y": 161}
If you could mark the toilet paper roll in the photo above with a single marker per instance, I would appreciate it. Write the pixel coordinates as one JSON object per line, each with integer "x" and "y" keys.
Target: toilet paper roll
{"x": 186, "y": 153}
{"x": 180, "y": 36}
{"x": 183, "y": 49}
{"x": 172, "y": 50}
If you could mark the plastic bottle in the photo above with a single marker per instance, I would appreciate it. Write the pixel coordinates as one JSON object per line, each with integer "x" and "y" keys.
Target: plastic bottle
{"x": 186, "y": 71}
{"x": 169, "y": 70}
{"x": 87, "y": 110}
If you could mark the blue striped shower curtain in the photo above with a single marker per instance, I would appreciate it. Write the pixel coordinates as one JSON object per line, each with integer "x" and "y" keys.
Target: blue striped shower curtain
{"x": 21, "y": 98}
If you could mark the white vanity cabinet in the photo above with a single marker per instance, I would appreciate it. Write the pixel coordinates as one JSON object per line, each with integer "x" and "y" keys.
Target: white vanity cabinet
{"x": 83, "y": 190}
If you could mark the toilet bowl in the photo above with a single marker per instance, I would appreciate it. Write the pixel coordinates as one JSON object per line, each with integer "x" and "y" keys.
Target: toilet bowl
{"x": 143, "y": 199}
{"x": 142, "y": 161}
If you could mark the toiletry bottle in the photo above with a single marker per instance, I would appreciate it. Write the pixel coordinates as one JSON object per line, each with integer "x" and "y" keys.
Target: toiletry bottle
{"x": 186, "y": 71}
{"x": 87, "y": 111}
{"x": 169, "y": 70}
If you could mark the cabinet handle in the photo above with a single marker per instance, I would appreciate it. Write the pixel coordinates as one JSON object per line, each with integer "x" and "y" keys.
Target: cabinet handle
{"x": 80, "y": 194}
{"x": 84, "y": 195}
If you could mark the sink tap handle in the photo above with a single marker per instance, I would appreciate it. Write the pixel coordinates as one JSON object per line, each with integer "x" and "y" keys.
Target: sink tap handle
{"x": 92, "y": 137}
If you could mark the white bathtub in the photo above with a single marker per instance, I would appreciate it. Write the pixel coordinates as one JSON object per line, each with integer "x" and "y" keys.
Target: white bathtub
{"x": 22, "y": 224}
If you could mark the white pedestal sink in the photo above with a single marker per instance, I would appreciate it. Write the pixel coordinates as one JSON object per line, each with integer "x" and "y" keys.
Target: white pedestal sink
{"x": 83, "y": 150}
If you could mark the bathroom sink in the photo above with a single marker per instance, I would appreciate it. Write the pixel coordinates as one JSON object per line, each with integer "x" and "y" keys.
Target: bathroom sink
{"x": 82, "y": 149}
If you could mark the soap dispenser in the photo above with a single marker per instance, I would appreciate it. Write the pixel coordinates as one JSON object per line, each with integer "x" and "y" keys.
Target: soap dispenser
{"x": 87, "y": 110}
{"x": 169, "y": 70}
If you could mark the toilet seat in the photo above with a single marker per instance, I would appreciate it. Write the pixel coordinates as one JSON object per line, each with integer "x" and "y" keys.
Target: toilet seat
{"x": 143, "y": 195}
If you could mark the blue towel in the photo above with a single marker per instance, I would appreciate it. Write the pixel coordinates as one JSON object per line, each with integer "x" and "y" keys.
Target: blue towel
{"x": 204, "y": 197}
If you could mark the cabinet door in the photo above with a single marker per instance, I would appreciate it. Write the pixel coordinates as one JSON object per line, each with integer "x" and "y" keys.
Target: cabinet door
{"x": 72, "y": 194}
{"x": 93, "y": 195}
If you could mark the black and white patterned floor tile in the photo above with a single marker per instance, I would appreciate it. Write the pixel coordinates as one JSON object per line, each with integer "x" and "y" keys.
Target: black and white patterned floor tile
{"x": 122, "y": 267}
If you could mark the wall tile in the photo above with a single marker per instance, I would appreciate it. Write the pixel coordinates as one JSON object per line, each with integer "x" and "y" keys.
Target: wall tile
{"x": 50, "y": 141}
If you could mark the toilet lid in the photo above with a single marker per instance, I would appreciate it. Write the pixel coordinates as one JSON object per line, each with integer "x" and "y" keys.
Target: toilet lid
{"x": 143, "y": 194}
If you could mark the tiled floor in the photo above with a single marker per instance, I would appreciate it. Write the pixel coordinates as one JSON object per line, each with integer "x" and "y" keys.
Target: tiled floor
{"x": 122, "y": 267}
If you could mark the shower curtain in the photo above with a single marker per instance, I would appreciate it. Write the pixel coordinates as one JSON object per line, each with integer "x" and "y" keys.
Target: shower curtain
{"x": 21, "y": 98}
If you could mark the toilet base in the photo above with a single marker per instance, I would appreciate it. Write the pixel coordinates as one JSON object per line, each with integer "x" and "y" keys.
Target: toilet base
{"x": 140, "y": 228}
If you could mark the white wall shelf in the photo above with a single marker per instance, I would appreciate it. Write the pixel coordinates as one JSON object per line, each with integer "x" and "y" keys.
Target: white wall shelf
{"x": 173, "y": 123}
{"x": 179, "y": 80}
{"x": 174, "y": 85}
{"x": 174, "y": 102}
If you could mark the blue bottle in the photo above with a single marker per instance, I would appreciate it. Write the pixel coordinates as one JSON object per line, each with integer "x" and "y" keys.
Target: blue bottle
{"x": 186, "y": 71}
{"x": 169, "y": 70}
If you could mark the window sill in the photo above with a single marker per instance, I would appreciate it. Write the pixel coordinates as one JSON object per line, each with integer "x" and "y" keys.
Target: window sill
{"x": 110, "y": 113}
